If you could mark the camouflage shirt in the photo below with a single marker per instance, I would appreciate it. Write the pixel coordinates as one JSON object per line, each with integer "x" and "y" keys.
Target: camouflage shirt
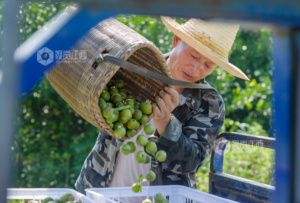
{"x": 188, "y": 140}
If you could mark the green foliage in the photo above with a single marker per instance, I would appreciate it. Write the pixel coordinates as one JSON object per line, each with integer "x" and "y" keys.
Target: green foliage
{"x": 248, "y": 102}
{"x": 252, "y": 163}
{"x": 17, "y": 201}
{"x": 34, "y": 16}
{"x": 53, "y": 141}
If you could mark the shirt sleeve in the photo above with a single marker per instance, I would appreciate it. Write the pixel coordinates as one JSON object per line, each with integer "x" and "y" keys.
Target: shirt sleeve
{"x": 98, "y": 165}
{"x": 188, "y": 145}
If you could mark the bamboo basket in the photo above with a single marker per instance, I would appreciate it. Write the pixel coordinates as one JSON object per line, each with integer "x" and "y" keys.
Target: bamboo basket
{"x": 80, "y": 83}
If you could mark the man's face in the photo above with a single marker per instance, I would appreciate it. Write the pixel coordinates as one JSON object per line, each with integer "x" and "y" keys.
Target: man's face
{"x": 187, "y": 64}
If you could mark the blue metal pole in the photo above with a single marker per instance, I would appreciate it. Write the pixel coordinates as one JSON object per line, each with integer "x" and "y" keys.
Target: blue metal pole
{"x": 295, "y": 141}
{"x": 282, "y": 115}
{"x": 8, "y": 89}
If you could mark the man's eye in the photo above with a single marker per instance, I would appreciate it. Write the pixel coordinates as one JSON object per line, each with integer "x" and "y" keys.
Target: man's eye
{"x": 194, "y": 56}
{"x": 208, "y": 66}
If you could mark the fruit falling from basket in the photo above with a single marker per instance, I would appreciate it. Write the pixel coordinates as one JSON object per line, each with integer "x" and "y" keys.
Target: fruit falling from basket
{"x": 124, "y": 115}
{"x": 122, "y": 112}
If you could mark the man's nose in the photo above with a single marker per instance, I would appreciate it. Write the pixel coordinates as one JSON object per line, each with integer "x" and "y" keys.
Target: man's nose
{"x": 198, "y": 65}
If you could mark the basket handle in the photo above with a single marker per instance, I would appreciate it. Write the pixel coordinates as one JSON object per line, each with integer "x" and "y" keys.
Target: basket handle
{"x": 149, "y": 74}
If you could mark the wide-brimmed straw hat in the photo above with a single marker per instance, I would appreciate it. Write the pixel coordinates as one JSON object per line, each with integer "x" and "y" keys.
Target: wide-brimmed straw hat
{"x": 211, "y": 39}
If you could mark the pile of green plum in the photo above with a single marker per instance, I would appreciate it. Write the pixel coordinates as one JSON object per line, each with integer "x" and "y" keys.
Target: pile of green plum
{"x": 121, "y": 111}
{"x": 158, "y": 198}
{"x": 65, "y": 198}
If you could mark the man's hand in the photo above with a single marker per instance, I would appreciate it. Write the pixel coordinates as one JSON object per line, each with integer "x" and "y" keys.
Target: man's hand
{"x": 166, "y": 102}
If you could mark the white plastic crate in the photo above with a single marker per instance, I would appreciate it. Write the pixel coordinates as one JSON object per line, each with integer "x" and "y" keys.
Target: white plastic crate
{"x": 38, "y": 194}
{"x": 176, "y": 193}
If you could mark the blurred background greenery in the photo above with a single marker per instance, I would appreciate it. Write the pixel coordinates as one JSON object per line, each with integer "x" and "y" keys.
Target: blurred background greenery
{"x": 53, "y": 141}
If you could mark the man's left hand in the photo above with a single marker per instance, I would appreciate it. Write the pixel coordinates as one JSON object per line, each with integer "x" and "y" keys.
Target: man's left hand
{"x": 166, "y": 102}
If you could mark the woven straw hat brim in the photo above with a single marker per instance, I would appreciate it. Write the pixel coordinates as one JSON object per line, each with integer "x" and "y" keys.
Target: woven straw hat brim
{"x": 198, "y": 46}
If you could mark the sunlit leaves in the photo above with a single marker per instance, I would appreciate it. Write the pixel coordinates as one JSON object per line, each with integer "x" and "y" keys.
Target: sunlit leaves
{"x": 34, "y": 15}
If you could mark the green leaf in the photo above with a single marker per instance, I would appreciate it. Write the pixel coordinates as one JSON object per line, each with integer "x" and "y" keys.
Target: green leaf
{"x": 249, "y": 106}
{"x": 154, "y": 155}
{"x": 140, "y": 179}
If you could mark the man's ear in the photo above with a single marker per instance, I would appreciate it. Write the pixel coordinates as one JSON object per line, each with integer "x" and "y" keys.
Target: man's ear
{"x": 176, "y": 39}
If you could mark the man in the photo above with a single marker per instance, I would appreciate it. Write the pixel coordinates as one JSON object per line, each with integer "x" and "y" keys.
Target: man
{"x": 187, "y": 121}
